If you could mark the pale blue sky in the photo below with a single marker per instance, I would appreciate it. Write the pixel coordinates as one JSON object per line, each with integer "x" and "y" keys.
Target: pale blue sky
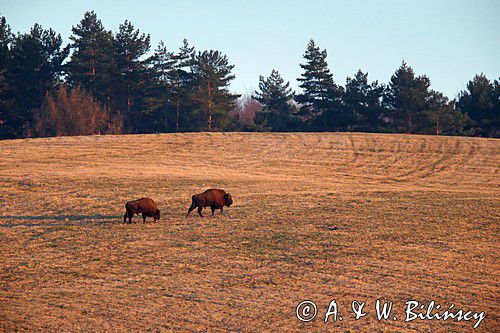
{"x": 450, "y": 41}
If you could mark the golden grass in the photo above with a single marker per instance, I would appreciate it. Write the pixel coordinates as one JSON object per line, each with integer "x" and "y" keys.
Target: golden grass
{"x": 417, "y": 218}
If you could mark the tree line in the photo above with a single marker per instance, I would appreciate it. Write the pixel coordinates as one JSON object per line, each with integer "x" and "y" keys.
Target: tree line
{"x": 112, "y": 82}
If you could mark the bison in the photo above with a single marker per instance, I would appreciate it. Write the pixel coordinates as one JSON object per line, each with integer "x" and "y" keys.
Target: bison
{"x": 144, "y": 206}
{"x": 213, "y": 198}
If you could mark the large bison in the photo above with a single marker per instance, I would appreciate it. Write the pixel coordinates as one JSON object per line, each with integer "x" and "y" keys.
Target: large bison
{"x": 213, "y": 198}
{"x": 145, "y": 206}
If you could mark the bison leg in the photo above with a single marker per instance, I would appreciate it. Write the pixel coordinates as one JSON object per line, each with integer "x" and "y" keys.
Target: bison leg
{"x": 143, "y": 218}
{"x": 193, "y": 206}
{"x": 222, "y": 210}
{"x": 129, "y": 215}
{"x": 125, "y": 218}
{"x": 213, "y": 210}
{"x": 199, "y": 210}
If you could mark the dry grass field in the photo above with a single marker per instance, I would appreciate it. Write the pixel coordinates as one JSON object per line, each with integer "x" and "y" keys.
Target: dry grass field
{"x": 341, "y": 216}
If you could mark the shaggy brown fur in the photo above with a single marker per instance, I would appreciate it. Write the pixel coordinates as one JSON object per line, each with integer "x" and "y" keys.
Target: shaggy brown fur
{"x": 145, "y": 206}
{"x": 213, "y": 198}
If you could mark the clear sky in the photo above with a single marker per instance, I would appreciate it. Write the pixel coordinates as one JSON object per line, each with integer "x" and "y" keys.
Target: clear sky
{"x": 450, "y": 41}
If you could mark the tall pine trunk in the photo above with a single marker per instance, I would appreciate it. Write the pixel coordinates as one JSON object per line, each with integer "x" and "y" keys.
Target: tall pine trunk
{"x": 177, "y": 114}
{"x": 209, "y": 105}
{"x": 93, "y": 63}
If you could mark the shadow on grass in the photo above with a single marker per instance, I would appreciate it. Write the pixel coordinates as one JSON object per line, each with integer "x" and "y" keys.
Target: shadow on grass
{"x": 61, "y": 220}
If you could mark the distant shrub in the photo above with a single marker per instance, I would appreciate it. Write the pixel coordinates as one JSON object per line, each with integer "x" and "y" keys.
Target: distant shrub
{"x": 245, "y": 111}
{"x": 74, "y": 112}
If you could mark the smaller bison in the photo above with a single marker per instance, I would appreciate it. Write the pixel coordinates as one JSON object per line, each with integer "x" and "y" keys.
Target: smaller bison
{"x": 145, "y": 206}
{"x": 213, "y": 198}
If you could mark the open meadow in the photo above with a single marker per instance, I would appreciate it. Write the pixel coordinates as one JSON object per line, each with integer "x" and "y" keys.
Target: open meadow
{"x": 316, "y": 216}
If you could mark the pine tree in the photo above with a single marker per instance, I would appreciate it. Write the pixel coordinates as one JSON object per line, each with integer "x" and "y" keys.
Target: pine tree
{"x": 5, "y": 40}
{"x": 182, "y": 82}
{"x": 158, "y": 90}
{"x": 5, "y": 98}
{"x": 406, "y": 100}
{"x": 495, "y": 119}
{"x": 362, "y": 103}
{"x": 481, "y": 102}
{"x": 320, "y": 96}
{"x": 169, "y": 87}
{"x": 92, "y": 65}
{"x": 276, "y": 96}
{"x": 130, "y": 46}
{"x": 33, "y": 69}
{"x": 443, "y": 116}
{"x": 212, "y": 75}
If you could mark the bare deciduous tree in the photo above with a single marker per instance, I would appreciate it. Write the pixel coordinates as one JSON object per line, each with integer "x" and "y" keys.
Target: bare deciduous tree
{"x": 74, "y": 112}
{"x": 246, "y": 109}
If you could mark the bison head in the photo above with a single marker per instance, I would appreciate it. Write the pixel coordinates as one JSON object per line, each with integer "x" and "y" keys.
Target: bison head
{"x": 157, "y": 214}
{"x": 228, "y": 199}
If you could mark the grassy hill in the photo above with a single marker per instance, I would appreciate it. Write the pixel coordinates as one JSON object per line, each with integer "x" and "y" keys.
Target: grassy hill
{"x": 316, "y": 216}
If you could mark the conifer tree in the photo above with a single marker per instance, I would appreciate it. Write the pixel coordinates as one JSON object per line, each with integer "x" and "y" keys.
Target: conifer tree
{"x": 34, "y": 65}
{"x": 169, "y": 86}
{"x": 182, "y": 83}
{"x": 129, "y": 81}
{"x": 276, "y": 97}
{"x": 5, "y": 98}
{"x": 212, "y": 76}
{"x": 362, "y": 103}
{"x": 406, "y": 100}
{"x": 92, "y": 65}
{"x": 185, "y": 90}
{"x": 481, "y": 102}
{"x": 442, "y": 115}
{"x": 320, "y": 98}
{"x": 157, "y": 89}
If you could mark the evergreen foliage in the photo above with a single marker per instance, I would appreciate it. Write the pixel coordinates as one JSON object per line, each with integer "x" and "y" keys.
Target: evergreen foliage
{"x": 443, "y": 117}
{"x": 32, "y": 68}
{"x": 182, "y": 85}
{"x": 123, "y": 86}
{"x": 91, "y": 64}
{"x": 406, "y": 100}
{"x": 321, "y": 97}
{"x": 481, "y": 102}
{"x": 131, "y": 76}
{"x": 276, "y": 97}
{"x": 212, "y": 100}
{"x": 362, "y": 102}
